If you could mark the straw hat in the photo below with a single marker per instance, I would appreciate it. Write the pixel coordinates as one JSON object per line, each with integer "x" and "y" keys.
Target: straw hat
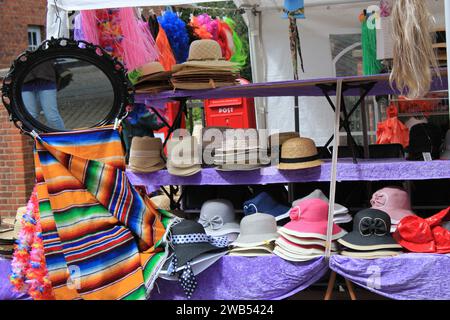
{"x": 205, "y": 54}
{"x": 145, "y": 154}
{"x": 183, "y": 156}
{"x": 299, "y": 153}
{"x": 152, "y": 70}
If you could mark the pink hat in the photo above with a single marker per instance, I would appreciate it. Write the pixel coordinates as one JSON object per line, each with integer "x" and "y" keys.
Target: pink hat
{"x": 394, "y": 201}
{"x": 309, "y": 220}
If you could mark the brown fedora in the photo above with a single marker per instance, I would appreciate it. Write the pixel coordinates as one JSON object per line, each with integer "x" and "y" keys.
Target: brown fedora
{"x": 145, "y": 154}
{"x": 299, "y": 153}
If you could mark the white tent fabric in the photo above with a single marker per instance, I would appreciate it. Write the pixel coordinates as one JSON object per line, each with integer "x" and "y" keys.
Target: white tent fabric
{"x": 57, "y": 10}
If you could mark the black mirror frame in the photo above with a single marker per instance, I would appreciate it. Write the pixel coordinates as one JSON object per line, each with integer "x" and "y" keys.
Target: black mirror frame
{"x": 64, "y": 48}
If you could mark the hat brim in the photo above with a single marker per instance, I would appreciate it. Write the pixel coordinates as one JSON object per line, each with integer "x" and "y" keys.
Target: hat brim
{"x": 154, "y": 168}
{"x": 184, "y": 172}
{"x": 318, "y": 230}
{"x": 298, "y": 249}
{"x": 377, "y": 254}
{"x": 427, "y": 247}
{"x": 187, "y": 252}
{"x": 355, "y": 241}
{"x": 227, "y": 228}
{"x": 238, "y": 167}
{"x": 254, "y": 240}
{"x": 251, "y": 251}
{"x": 286, "y": 255}
{"x": 210, "y": 64}
{"x": 307, "y": 241}
{"x": 300, "y": 165}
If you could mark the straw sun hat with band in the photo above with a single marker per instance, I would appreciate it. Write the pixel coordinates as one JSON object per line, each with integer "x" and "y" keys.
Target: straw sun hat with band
{"x": 299, "y": 153}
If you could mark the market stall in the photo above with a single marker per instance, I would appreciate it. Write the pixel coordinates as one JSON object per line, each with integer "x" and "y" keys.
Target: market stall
{"x": 91, "y": 230}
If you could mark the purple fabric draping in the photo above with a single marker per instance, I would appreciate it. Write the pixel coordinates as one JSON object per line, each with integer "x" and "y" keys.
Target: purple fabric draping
{"x": 248, "y": 278}
{"x": 302, "y": 88}
{"x": 411, "y": 276}
{"x": 364, "y": 170}
{"x": 7, "y": 291}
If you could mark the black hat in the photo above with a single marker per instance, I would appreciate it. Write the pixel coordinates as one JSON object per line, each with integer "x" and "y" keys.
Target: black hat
{"x": 371, "y": 231}
{"x": 424, "y": 137}
{"x": 189, "y": 240}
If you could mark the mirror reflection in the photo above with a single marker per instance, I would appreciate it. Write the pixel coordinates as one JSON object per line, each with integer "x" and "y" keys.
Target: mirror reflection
{"x": 67, "y": 94}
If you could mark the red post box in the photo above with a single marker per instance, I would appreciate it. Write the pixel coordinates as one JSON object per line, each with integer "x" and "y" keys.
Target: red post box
{"x": 232, "y": 112}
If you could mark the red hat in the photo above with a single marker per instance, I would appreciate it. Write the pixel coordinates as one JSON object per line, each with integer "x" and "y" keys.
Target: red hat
{"x": 424, "y": 235}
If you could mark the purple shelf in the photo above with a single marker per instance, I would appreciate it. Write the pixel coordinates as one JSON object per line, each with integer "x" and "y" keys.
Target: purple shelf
{"x": 302, "y": 88}
{"x": 364, "y": 170}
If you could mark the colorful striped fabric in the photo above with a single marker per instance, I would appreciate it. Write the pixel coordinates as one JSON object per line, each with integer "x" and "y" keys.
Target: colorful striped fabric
{"x": 96, "y": 226}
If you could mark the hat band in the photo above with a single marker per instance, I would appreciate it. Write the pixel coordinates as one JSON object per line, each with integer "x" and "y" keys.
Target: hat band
{"x": 220, "y": 242}
{"x": 300, "y": 160}
{"x": 148, "y": 153}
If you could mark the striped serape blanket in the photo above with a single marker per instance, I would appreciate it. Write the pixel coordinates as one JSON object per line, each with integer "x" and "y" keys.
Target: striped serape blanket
{"x": 102, "y": 237}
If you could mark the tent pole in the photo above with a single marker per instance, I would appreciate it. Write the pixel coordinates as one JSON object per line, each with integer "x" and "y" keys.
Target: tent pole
{"x": 337, "y": 121}
{"x": 447, "y": 32}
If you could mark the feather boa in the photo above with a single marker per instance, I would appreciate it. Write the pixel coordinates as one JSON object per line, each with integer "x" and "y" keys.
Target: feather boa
{"x": 240, "y": 53}
{"x": 176, "y": 32}
{"x": 29, "y": 270}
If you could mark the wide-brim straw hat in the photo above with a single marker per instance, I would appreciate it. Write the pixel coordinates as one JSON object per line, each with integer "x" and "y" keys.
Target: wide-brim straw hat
{"x": 152, "y": 71}
{"x": 206, "y": 53}
{"x": 299, "y": 153}
{"x": 145, "y": 154}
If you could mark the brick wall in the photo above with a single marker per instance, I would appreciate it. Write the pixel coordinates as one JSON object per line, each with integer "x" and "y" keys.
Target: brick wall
{"x": 16, "y": 166}
{"x": 15, "y": 17}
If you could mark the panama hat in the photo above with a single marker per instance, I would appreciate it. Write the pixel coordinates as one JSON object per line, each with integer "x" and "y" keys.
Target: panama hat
{"x": 145, "y": 154}
{"x": 371, "y": 231}
{"x": 256, "y": 230}
{"x": 299, "y": 153}
{"x": 205, "y": 53}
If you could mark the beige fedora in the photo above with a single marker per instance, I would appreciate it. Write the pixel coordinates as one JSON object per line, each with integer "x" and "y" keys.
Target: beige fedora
{"x": 152, "y": 71}
{"x": 299, "y": 153}
{"x": 183, "y": 156}
{"x": 145, "y": 155}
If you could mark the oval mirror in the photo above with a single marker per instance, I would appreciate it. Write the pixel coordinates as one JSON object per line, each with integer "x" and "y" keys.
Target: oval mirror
{"x": 66, "y": 85}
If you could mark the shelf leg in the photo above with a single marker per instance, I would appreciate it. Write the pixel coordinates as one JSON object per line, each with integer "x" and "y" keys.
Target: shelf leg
{"x": 351, "y": 289}
{"x": 330, "y": 287}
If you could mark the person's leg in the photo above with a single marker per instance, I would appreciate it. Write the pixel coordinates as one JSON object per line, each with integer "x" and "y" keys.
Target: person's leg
{"x": 29, "y": 100}
{"x": 49, "y": 104}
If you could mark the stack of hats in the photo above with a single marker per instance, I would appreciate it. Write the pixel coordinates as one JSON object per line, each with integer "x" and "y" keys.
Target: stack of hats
{"x": 205, "y": 68}
{"x": 299, "y": 153}
{"x": 257, "y": 237}
{"x": 445, "y": 154}
{"x": 341, "y": 214}
{"x": 263, "y": 202}
{"x": 183, "y": 156}
{"x": 240, "y": 154}
{"x": 219, "y": 219}
{"x": 146, "y": 155}
{"x": 153, "y": 79}
{"x": 371, "y": 237}
{"x": 304, "y": 237}
{"x": 393, "y": 201}
{"x": 193, "y": 251}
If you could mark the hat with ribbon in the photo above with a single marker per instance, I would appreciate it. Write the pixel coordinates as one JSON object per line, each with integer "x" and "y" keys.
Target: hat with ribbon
{"x": 424, "y": 235}
{"x": 394, "y": 201}
{"x": 264, "y": 202}
{"x": 371, "y": 231}
{"x": 299, "y": 153}
{"x": 309, "y": 219}
{"x": 189, "y": 240}
{"x": 218, "y": 217}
